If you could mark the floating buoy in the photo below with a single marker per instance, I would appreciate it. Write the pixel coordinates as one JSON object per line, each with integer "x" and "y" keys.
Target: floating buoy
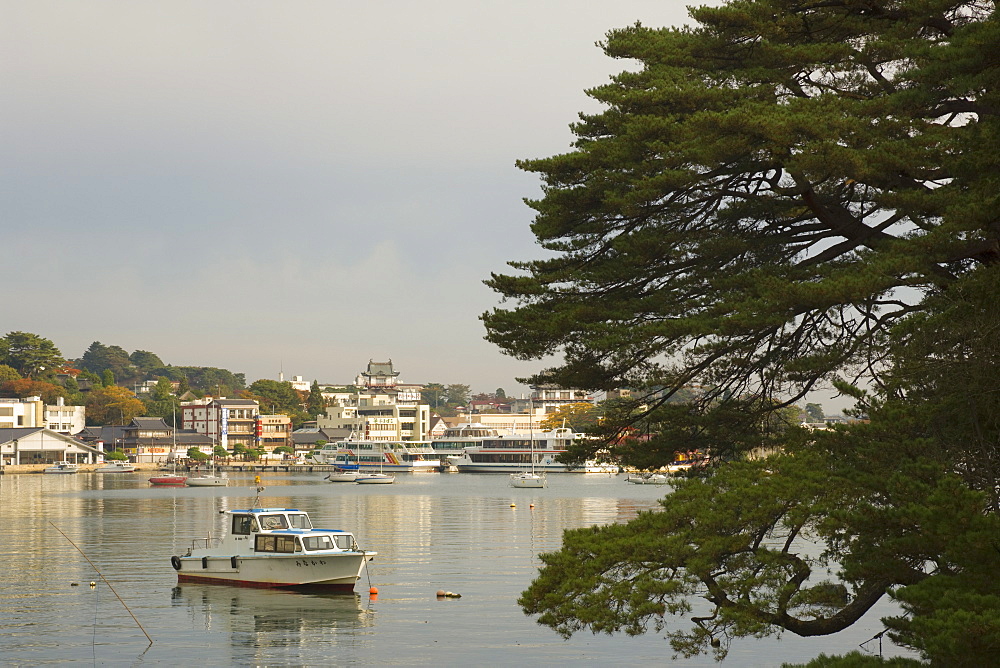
{"x": 441, "y": 593}
{"x": 373, "y": 591}
{"x": 74, "y": 584}
{"x": 513, "y": 505}
{"x": 531, "y": 505}
{"x": 93, "y": 584}
{"x": 451, "y": 594}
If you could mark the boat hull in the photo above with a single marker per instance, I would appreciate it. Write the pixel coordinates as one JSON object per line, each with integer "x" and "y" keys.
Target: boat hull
{"x": 528, "y": 481}
{"x": 375, "y": 479}
{"x": 207, "y": 481}
{"x": 333, "y": 572}
{"x": 168, "y": 480}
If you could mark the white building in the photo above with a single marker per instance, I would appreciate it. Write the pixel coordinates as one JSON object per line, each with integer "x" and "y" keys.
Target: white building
{"x": 378, "y": 416}
{"x": 33, "y": 412}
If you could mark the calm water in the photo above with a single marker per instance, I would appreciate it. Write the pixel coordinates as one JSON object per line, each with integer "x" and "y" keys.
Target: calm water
{"x": 456, "y": 532}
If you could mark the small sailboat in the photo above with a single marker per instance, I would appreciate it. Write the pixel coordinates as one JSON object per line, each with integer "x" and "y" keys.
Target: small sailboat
{"x": 209, "y": 480}
{"x": 375, "y": 478}
{"x": 529, "y": 478}
{"x": 172, "y": 478}
{"x": 342, "y": 476}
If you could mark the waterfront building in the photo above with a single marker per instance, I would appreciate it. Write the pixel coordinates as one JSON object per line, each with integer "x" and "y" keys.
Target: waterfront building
{"x": 232, "y": 422}
{"x": 33, "y": 412}
{"x": 549, "y": 398}
{"x": 21, "y": 446}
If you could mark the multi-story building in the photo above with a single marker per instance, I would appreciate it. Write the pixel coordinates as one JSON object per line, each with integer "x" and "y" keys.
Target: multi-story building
{"x": 232, "y": 422}
{"x": 549, "y": 398}
{"x": 33, "y": 412}
{"x": 378, "y": 417}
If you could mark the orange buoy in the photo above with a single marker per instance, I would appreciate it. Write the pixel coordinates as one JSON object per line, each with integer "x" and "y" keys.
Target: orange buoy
{"x": 373, "y": 591}
{"x": 531, "y": 505}
{"x": 441, "y": 593}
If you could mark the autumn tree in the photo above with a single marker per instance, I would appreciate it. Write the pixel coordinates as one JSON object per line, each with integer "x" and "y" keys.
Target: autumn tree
{"x": 578, "y": 417}
{"x": 25, "y": 387}
{"x": 113, "y": 405}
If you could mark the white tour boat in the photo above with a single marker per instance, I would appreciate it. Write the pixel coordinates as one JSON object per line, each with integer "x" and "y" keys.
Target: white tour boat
{"x": 115, "y": 467}
{"x": 62, "y": 467}
{"x": 367, "y": 455}
{"x": 453, "y": 442}
{"x": 513, "y": 453}
{"x": 274, "y": 547}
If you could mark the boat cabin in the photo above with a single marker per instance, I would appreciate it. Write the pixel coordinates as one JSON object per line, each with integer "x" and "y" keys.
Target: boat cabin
{"x": 281, "y": 530}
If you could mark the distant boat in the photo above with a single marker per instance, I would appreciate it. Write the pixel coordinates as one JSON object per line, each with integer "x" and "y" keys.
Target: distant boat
{"x": 529, "y": 479}
{"x": 62, "y": 467}
{"x": 375, "y": 479}
{"x": 173, "y": 478}
{"x": 367, "y": 455}
{"x": 342, "y": 476}
{"x": 115, "y": 467}
{"x": 648, "y": 479}
{"x": 209, "y": 480}
{"x": 513, "y": 453}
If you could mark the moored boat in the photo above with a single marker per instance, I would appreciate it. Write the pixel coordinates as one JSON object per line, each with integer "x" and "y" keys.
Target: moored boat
{"x": 62, "y": 467}
{"x": 274, "y": 547}
{"x": 115, "y": 467}
{"x": 514, "y": 453}
{"x": 383, "y": 456}
{"x": 375, "y": 479}
{"x": 342, "y": 476}
{"x": 528, "y": 479}
{"x": 209, "y": 480}
{"x": 648, "y": 479}
{"x": 168, "y": 479}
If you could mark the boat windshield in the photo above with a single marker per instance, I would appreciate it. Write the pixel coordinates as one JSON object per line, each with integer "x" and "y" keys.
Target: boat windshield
{"x": 299, "y": 521}
{"x": 317, "y": 543}
{"x": 343, "y": 541}
{"x": 271, "y": 522}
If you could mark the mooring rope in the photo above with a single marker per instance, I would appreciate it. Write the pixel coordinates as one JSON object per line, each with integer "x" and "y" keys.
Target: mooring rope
{"x": 94, "y": 566}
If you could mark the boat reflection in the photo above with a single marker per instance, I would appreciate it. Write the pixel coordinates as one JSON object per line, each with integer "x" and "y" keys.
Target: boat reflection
{"x": 269, "y": 611}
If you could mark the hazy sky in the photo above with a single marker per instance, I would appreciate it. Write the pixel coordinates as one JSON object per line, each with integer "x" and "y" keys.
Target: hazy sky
{"x": 285, "y": 185}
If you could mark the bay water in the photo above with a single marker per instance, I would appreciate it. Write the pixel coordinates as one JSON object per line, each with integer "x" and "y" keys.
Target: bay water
{"x": 466, "y": 533}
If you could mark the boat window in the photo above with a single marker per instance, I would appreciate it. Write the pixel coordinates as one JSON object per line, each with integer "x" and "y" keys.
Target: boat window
{"x": 317, "y": 542}
{"x": 242, "y": 524}
{"x": 271, "y": 543}
{"x": 343, "y": 541}
{"x": 300, "y": 521}
{"x": 271, "y": 522}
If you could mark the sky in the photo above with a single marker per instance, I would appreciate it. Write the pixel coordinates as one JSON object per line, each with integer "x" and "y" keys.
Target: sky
{"x": 291, "y": 187}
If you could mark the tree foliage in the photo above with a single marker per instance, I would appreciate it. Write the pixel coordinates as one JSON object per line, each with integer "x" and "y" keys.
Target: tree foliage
{"x": 113, "y": 405}
{"x": 29, "y": 354}
{"x": 747, "y": 207}
{"x": 782, "y": 196}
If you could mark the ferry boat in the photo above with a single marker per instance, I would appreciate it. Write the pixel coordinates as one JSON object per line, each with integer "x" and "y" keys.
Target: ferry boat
{"x": 455, "y": 440}
{"x": 512, "y": 453}
{"x": 381, "y": 456}
{"x": 274, "y": 547}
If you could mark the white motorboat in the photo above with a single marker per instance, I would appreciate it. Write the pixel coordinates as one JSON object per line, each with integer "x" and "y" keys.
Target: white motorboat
{"x": 115, "y": 467}
{"x": 648, "y": 479}
{"x": 62, "y": 467}
{"x": 274, "y": 547}
{"x": 375, "y": 479}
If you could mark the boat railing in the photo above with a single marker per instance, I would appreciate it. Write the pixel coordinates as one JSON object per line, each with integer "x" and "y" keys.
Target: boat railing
{"x": 205, "y": 543}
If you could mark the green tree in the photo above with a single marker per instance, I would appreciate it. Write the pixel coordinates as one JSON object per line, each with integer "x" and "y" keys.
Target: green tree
{"x": 434, "y": 394}
{"x": 815, "y": 412}
{"x": 315, "y": 405}
{"x": 781, "y": 195}
{"x": 220, "y": 452}
{"x": 500, "y": 394}
{"x": 458, "y": 394}
{"x": 197, "y": 455}
{"x": 29, "y": 354}
{"x": 100, "y": 359}
{"x": 145, "y": 361}
{"x": 746, "y": 208}
{"x": 9, "y": 373}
